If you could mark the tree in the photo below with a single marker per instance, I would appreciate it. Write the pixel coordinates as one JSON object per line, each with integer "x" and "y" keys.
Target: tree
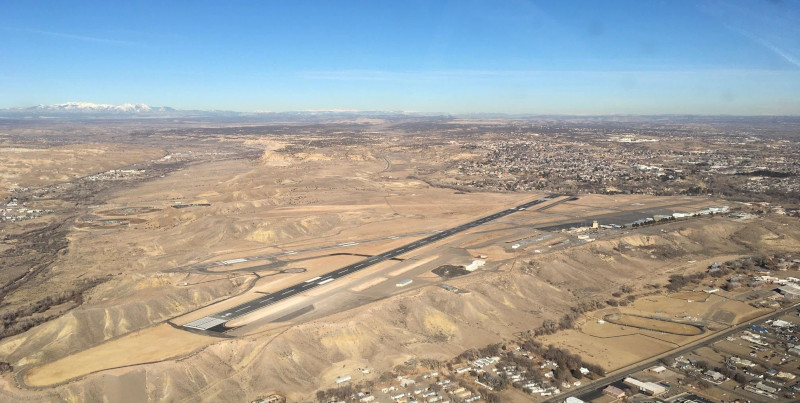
{"x": 676, "y": 282}
{"x": 431, "y": 363}
{"x": 567, "y": 322}
{"x": 740, "y": 378}
{"x": 595, "y": 369}
{"x": 387, "y": 377}
{"x": 491, "y": 350}
{"x": 532, "y": 345}
{"x": 549, "y": 326}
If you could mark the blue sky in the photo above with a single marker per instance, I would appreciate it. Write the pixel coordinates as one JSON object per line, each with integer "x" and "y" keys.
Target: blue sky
{"x": 463, "y": 56}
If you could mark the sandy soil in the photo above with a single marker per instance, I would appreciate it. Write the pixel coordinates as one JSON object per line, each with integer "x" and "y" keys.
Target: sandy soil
{"x": 625, "y": 349}
{"x": 159, "y": 343}
{"x": 330, "y": 196}
{"x": 23, "y": 167}
{"x": 435, "y": 323}
{"x": 742, "y": 311}
{"x": 414, "y": 264}
{"x": 655, "y": 325}
{"x": 691, "y": 296}
{"x": 363, "y": 286}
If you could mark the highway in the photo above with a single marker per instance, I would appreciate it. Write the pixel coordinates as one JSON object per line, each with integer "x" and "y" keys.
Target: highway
{"x": 215, "y": 322}
{"x": 622, "y": 373}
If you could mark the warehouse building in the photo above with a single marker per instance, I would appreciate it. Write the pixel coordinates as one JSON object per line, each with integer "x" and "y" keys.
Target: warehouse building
{"x": 790, "y": 292}
{"x": 648, "y": 388}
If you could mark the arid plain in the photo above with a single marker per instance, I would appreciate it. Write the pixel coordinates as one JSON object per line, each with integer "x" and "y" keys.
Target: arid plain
{"x": 138, "y": 216}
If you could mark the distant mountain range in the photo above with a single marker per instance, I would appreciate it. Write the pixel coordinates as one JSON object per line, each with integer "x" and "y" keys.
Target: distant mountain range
{"x": 89, "y": 107}
{"x": 78, "y": 110}
{"x": 88, "y": 110}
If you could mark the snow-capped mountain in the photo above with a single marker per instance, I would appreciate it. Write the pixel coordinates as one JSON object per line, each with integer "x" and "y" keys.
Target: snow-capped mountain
{"x": 91, "y": 107}
{"x": 88, "y": 110}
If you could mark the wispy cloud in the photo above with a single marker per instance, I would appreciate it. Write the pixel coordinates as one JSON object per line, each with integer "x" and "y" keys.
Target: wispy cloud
{"x": 768, "y": 45}
{"x": 773, "y": 27}
{"x": 83, "y": 38}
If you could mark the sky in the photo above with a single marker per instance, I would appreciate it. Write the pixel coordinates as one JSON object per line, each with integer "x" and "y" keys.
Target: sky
{"x": 460, "y": 56}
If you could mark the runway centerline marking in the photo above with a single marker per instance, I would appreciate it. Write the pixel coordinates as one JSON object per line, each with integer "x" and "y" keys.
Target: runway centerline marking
{"x": 211, "y": 321}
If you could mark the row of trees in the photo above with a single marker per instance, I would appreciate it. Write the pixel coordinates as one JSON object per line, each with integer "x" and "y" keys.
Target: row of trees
{"x": 567, "y": 321}
{"x": 23, "y": 318}
{"x": 678, "y": 281}
{"x": 560, "y": 356}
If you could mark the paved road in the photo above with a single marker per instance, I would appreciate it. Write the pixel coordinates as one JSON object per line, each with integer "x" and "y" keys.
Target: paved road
{"x": 204, "y": 268}
{"x": 624, "y": 372}
{"x": 215, "y": 322}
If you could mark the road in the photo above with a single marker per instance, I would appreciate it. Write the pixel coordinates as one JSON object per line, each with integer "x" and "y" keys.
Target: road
{"x": 203, "y": 268}
{"x": 216, "y": 322}
{"x": 622, "y": 373}
{"x": 207, "y": 268}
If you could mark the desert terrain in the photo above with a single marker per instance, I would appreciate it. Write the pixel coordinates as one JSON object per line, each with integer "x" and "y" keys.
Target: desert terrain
{"x": 160, "y": 226}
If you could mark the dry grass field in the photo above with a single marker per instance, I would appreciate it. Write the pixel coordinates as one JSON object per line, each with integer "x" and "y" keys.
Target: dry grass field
{"x": 310, "y": 192}
{"x": 657, "y": 325}
{"x": 159, "y": 343}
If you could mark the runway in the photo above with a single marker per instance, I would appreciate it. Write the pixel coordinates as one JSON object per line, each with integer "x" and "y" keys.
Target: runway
{"x": 205, "y": 268}
{"x": 216, "y": 322}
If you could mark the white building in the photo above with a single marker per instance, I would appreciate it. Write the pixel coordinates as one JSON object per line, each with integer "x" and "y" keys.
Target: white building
{"x": 650, "y": 388}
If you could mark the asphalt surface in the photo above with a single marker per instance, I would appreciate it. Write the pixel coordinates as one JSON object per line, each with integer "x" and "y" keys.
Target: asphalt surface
{"x": 216, "y": 322}
{"x": 204, "y": 267}
{"x": 603, "y": 382}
